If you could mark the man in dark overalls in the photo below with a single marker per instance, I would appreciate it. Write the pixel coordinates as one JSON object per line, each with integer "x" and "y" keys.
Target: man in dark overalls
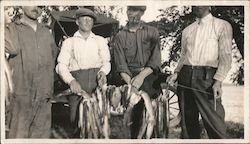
{"x": 204, "y": 63}
{"x": 32, "y": 53}
{"x": 82, "y": 59}
{"x": 138, "y": 59}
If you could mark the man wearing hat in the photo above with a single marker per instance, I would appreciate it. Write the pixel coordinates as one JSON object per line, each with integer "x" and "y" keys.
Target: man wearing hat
{"x": 82, "y": 59}
{"x": 138, "y": 59}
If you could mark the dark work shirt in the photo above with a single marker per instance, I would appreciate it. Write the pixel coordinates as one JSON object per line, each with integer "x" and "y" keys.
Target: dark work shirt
{"x": 133, "y": 50}
{"x": 31, "y": 59}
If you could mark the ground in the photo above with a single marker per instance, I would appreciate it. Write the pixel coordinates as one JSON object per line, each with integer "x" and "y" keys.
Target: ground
{"x": 232, "y": 100}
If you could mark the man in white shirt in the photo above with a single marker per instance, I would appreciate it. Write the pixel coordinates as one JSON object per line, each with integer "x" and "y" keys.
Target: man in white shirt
{"x": 204, "y": 63}
{"x": 83, "y": 59}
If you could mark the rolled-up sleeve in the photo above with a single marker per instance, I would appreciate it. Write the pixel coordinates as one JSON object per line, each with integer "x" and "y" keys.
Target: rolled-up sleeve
{"x": 225, "y": 52}
{"x": 63, "y": 60}
{"x": 119, "y": 57}
{"x": 154, "y": 61}
{"x": 105, "y": 56}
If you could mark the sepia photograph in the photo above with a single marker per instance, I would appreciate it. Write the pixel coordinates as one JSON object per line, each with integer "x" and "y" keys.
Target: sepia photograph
{"x": 113, "y": 71}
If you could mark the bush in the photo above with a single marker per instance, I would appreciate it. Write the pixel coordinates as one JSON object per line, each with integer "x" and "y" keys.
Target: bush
{"x": 235, "y": 130}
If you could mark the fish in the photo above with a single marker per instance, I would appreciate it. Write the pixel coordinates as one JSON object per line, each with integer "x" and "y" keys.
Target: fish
{"x": 106, "y": 127}
{"x": 9, "y": 85}
{"x": 102, "y": 95}
{"x": 143, "y": 127}
{"x": 150, "y": 116}
{"x": 115, "y": 97}
{"x": 160, "y": 125}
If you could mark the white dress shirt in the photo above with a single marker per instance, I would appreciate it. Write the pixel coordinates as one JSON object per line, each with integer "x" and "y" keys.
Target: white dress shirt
{"x": 207, "y": 42}
{"x": 77, "y": 53}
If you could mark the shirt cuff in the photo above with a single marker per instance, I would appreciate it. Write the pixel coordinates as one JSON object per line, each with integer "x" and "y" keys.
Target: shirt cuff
{"x": 155, "y": 68}
{"x": 219, "y": 77}
{"x": 106, "y": 69}
{"x": 69, "y": 79}
{"x": 66, "y": 76}
{"x": 123, "y": 69}
{"x": 178, "y": 68}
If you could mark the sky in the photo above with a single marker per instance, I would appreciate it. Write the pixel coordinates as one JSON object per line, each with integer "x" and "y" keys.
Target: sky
{"x": 152, "y": 11}
{"x": 150, "y": 14}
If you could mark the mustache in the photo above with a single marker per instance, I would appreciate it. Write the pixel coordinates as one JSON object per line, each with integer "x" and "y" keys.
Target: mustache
{"x": 133, "y": 20}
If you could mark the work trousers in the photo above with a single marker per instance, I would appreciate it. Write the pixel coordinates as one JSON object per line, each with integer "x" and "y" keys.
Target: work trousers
{"x": 196, "y": 97}
{"x": 30, "y": 119}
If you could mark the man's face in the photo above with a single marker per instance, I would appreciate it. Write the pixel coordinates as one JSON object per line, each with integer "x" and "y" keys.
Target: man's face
{"x": 32, "y": 12}
{"x": 134, "y": 16}
{"x": 200, "y": 11}
{"x": 85, "y": 23}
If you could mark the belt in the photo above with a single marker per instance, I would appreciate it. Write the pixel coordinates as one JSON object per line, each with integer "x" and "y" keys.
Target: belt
{"x": 139, "y": 69}
{"x": 199, "y": 67}
{"x": 205, "y": 71}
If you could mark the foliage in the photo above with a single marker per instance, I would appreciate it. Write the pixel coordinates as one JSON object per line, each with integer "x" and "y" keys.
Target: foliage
{"x": 171, "y": 24}
{"x": 109, "y": 11}
{"x": 235, "y": 16}
{"x": 172, "y": 21}
{"x": 235, "y": 130}
{"x": 175, "y": 18}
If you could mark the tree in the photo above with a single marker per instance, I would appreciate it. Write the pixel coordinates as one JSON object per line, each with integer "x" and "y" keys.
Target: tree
{"x": 235, "y": 16}
{"x": 175, "y": 18}
{"x": 171, "y": 24}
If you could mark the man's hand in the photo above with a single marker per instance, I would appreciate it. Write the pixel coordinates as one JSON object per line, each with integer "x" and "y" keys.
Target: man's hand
{"x": 75, "y": 87}
{"x": 126, "y": 78}
{"x": 217, "y": 89}
{"x": 134, "y": 99}
{"x": 172, "y": 79}
{"x": 137, "y": 81}
{"x": 101, "y": 78}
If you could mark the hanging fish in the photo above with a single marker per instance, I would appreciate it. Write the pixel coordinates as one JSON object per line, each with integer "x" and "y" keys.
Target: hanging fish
{"x": 9, "y": 86}
{"x": 150, "y": 115}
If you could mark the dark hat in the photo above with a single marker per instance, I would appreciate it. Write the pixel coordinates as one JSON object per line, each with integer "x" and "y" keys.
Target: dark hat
{"x": 85, "y": 12}
{"x": 141, "y": 8}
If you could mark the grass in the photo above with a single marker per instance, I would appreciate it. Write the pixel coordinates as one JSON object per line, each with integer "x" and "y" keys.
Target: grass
{"x": 235, "y": 130}
{"x": 61, "y": 127}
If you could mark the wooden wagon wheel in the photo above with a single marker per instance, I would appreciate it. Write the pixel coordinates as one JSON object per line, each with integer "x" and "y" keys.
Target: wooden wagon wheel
{"x": 174, "y": 110}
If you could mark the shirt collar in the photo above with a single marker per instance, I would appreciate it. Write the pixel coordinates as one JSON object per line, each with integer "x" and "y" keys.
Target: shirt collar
{"x": 20, "y": 21}
{"x": 205, "y": 19}
{"x": 77, "y": 34}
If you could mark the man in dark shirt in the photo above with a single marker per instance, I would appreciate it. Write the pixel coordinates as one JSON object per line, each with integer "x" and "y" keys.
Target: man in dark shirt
{"x": 30, "y": 46}
{"x": 138, "y": 59}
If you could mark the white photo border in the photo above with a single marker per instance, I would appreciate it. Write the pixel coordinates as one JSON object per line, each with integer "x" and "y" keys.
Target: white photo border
{"x": 244, "y": 3}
